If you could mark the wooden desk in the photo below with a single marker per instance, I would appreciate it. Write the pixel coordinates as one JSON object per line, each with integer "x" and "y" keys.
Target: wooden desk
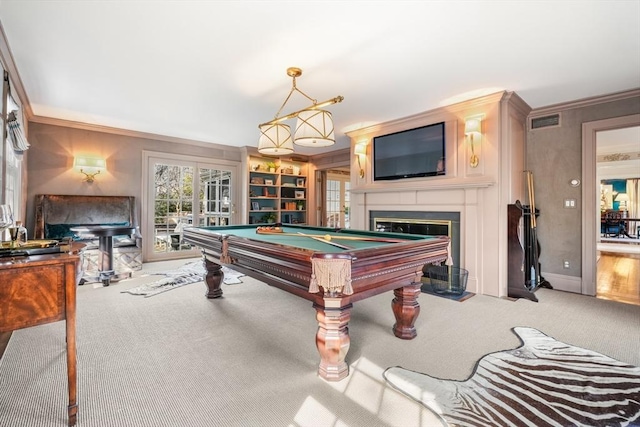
{"x": 42, "y": 289}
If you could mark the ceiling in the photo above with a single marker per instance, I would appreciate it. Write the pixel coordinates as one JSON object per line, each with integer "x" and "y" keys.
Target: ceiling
{"x": 624, "y": 141}
{"x": 213, "y": 70}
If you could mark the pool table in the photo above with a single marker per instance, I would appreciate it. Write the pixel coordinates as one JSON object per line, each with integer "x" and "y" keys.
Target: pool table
{"x": 332, "y": 268}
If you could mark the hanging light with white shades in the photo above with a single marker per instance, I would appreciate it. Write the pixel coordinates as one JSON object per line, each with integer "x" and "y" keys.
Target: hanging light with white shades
{"x": 313, "y": 129}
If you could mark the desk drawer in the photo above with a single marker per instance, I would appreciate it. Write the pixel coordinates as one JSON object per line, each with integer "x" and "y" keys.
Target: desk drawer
{"x": 31, "y": 296}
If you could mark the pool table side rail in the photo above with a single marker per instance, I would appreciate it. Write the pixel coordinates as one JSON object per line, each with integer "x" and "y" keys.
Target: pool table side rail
{"x": 374, "y": 270}
{"x": 389, "y": 269}
{"x": 266, "y": 263}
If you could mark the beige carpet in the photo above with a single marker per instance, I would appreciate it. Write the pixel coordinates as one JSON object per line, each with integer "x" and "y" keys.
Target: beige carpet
{"x": 249, "y": 359}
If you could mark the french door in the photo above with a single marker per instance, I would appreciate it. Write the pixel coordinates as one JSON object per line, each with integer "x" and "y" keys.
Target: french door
{"x": 184, "y": 191}
{"x": 337, "y": 200}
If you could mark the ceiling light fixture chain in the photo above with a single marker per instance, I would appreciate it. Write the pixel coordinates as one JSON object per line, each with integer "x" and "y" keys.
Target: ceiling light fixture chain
{"x": 294, "y": 72}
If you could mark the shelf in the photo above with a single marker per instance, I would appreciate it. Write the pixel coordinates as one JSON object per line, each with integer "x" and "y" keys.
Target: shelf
{"x": 283, "y": 187}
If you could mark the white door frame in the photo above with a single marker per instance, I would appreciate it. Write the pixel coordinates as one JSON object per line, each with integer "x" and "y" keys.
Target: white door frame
{"x": 591, "y": 195}
{"x": 146, "y": 217}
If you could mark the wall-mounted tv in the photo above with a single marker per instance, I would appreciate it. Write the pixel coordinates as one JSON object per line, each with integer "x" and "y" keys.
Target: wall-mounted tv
{"x": 411, "y": 153}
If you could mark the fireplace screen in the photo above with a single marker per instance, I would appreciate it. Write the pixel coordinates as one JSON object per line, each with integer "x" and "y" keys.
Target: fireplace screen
{"x": 424, "y": 223}
{"x": 424, "y": 227}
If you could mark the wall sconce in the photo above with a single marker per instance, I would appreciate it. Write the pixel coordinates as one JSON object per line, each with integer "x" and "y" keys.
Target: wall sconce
{"x": 314, "y": 127}
{"x": 473, "y": 128}
{"x": 89, "y": 166}
{"x": 360, "y": 150}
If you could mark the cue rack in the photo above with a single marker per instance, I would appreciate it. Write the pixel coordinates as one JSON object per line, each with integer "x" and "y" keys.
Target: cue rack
{"x": 524, "y": 269}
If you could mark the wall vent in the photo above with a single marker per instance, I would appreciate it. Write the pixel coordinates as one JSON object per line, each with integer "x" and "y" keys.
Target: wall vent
{"x": 552, "y": 120}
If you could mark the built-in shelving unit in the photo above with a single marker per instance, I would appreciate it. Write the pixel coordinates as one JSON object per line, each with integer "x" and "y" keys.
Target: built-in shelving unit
{"x": 277, "y": 191}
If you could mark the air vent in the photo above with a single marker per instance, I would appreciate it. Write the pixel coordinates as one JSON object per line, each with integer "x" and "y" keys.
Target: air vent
{"x": 545, "y": 122}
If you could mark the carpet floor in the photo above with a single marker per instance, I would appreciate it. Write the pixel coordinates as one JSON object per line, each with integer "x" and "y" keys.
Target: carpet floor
{"x": 249, "y": 358}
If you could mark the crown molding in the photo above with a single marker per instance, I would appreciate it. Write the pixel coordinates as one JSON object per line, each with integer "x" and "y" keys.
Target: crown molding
{"x": 585, "y": 102}
{"x": 126, "y": 132}
{"x": 432, "y": 116}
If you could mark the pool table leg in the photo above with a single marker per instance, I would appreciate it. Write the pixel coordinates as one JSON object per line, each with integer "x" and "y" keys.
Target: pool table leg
{"x": 213, "y": 278}
{"x": 406, "y": 309}
{"x": 332, "y": 338}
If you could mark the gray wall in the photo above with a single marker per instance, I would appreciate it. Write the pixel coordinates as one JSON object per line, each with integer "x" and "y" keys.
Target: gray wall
{"x": 554, "y": 155}
{"x": 50, "y": 162}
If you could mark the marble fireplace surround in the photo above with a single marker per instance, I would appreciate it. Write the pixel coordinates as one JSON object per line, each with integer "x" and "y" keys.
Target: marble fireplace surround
{"x": 465, "y": 206}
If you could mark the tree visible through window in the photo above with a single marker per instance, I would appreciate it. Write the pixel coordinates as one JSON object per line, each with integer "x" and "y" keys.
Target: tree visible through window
{"x": 184, "y": 193}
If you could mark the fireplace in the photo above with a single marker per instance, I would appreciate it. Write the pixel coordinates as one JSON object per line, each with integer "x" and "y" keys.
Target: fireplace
{"x": 425, "y": 223}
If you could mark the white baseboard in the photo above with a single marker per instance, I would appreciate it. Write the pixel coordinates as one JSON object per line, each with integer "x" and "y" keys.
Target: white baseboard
{"x": 561, "y": 282}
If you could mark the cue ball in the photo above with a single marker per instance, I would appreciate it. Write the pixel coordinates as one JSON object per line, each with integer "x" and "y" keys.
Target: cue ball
{"x": 327, "y": 237}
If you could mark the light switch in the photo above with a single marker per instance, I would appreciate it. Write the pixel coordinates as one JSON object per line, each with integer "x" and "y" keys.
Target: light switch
{"x": 570, "y": 203}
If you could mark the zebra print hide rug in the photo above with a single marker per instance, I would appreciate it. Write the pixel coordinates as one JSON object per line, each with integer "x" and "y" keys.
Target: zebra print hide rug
{"x": 542, "y": 383}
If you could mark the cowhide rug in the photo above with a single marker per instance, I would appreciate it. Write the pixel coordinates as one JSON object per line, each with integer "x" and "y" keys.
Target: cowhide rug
{"x": 544, "y": 382}
{"x": 192, "y": 272}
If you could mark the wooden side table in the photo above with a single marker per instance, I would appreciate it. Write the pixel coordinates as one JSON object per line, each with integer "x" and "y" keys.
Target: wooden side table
{"x": 41, "y": 289}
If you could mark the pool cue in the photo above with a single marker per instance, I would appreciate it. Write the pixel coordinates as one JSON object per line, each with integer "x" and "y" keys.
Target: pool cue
{"x": 328, "y": 242}
{"x": 364, "y": 239}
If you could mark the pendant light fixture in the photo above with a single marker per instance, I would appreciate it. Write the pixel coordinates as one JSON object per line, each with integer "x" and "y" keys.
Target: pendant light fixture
{"x": 313, "y": 129}
{"x": 275, "y": 139}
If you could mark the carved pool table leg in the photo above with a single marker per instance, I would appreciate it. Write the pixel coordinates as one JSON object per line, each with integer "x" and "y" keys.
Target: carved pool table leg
{"x": 332, "y": 338}
{"x": 406, "y": 309}
{"x": 213, "y": 279}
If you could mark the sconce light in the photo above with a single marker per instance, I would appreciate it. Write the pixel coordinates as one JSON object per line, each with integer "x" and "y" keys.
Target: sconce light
{"x": 89, "y": 167}
{"x": 473, "y": 128}
{"x": 314, "y": 127}
{"x": 360, "y": 150}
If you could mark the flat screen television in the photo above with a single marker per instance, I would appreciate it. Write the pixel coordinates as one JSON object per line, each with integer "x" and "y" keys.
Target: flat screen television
{"x": 411, "y": 153}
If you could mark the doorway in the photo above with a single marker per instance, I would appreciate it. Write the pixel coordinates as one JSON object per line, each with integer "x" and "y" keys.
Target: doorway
{"x": 180, "y": 192}
{"x": 618, "y": 245}
{"x": 336, "y": 199}
{"x": 332, "y": 197}
{"x": 592, "y": 134}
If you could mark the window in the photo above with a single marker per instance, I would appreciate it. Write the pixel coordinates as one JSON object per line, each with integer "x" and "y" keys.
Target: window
{"x": 11, "y": 165}
{"x": 183, "y": 191}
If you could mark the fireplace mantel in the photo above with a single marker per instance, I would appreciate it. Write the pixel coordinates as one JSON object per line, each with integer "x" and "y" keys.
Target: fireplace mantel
{"x": 480, "y": 195}
{"x": 421, "y": 184}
